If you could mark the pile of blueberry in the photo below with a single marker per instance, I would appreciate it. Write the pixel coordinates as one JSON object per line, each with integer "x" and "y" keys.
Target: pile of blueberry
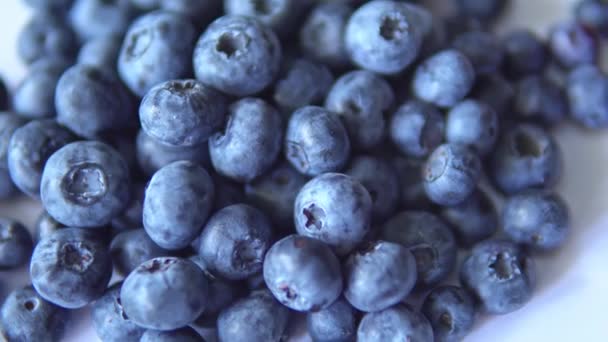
{"x": 229, "y": 163}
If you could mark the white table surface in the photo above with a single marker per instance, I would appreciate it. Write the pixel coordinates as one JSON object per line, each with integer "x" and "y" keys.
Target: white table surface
{"x": 571, "y": 300}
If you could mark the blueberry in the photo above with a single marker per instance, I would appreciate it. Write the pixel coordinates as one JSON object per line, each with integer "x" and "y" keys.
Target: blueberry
{"x": 302, "y": 83}
{"x": 90, "y": 100}
{"x": 322, "y": 33}
{"x": 587, "y": 91}
{"x": 30, "y": 147}
{"x": 275, "y": 193}
{"x": 473, "y": 220}
{"x": 336, "y": 323}
{"x": 45, "y": 226}
{"x": 131, "y": 217}
{"x": 411, "y": 184}
{"x": 71, "y": 267}
{"x": 316, "y": 141}
{"x": 200, "y": 12}
{"x": 451, "y": 173}
{"x": 451, "y": 312}
{"x": 536, "y": 218}
{"x": 481, "y": 9}
{"x": 525, "y": 53}
{"x": 237, "y": 55}
{"x": 382, "y": 36}
{"x": 361, "y": 99}
{"x": 472, "y": 123}
{"x": 485, "y": 52}
{"x": 15, "y": 244}
{"x": 177, "y": 203}
{"x": 444, "y": 79}
{"x": 334, "y": 208}
{"x": 102, "y": 51}
{"x": 222, "y": 292}
{"x": 35, "y": 96}
{"x": 9, "y": 123}
{"x": 397, "y": 323}
{"x": 303, "y": 273}
{"x": 131, "y": 248}
{"x": 280, "y": 15}
{"x": 7, "y": 188}
{"x": 500, "y": 275}
{"x": 256, "y": 318}
{"x": 165, "y": 293}
{"x": 379, "y": 276}
{"x": 109, "y": 319}
{"x": 4, "y": 96}
{"x": 49, "y": 4}
{"x": 179, "y": 335}
{"x": 234, "y": 241}
{"x": 156, "y": 48}
{"x": 495, "y": 91}
{"x": 381, "y": 181}
{"x": 100, "y": 18}
{"x": 539, "y": 99}
{"x": 417, "y": 128}
{"x": 46, "y": 35}
{"x": 152, "y": 155}
{"x": 572, "y": 44}
{"x": 26, "y": 316}
{"x": 593, "y": 14}
{"x": 85, "y": 184}
{"x": 250, "y": 141}
{"x": 429, "y": 239}
{"x": 526, "y": 157}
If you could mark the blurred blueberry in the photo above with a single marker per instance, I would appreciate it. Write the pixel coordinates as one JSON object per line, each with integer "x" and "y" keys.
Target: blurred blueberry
{"x": 587, "y": 90}
{"x": 100, "y": 18}
{"x": 572, "y": 44}
{"x": 485, "y": 52}
{"x": 302, "y": 83}
{"x": 282, "y": 16}
{"x": 539, "y": 99}
{"x": 178, "y": 335}
{"x": 46, "y": 36}
{"x": 525, "y": 53}
{"x": 472, "y": 123}
{"x": 473, "y": 220}
{"x": 15, "y": 244}
{"x": 102, "y": 51}
{"x": 417, "y": 128}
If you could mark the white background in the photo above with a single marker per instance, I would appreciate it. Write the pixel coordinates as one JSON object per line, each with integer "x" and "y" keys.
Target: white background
{"x": 571, "y": 302}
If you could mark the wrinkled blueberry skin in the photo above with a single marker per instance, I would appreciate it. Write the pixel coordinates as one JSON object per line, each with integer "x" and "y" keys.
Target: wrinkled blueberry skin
{"x": 500, "y": 275}
{"x": 481, "y": 9}
{"x": 382, "y": 36}
{"x": 30, "y": 147}
{"x": 381, "y": 181}
{"x": 451, "y": 312}
{"x": 171, "y": 195}
{"x": 85, "y": 184}
{"x": 109, "y": 319}
{"x": 102, "y": 51}
{"x": 35, "y": 96}
{"x": 417, "y": 128}
{"x": 303, "y": 273}
{"x": 302, "y": 83}
{"x": 152, "y": 155}
{"x": 473, "y": 220}
{"x": 451, "y": 173}
{"x": 100, "y": 18}
{"x": 336, "y": 209}
{"x": 152, "y": 302}
{"x": 429, "y": 239}
{"x": 15, "y": 244}
{"x": 45, "y": 226}
{"x": 411, "y": 184}
{"x": 222, "y": 292}
{"x": 131, "y": 248}
{"x": 379, "y": 276}
{"x": 256, "y": 318}
{"x": 587, "y": 91}
{"x": 444, "y": 79}
{"x": 46, "y": 35}
{"x": 250, "y": 142}
{"x": 526, "y": 157}
{"x": 538, "y": 219}
{"x": 71, "y": 267}
{"x": 237, "y": 55}
{"x": 179, "y": 335}
{"x": 361, "y": 99}
{"x": 495, "y": 91}
{"x": 525, "y": 53}
{"x": 537, "y": 98}
{"x": 281, "y": 16}
{"x": 322, "y": 34}
{"x": 91, "y": 100}
{"x": 397, "y": 323}
{"x": 156, "y": 48}
{"x": 275, "y": 193}
{"x": 593, "y": 14}
{"x": 182, "y": 112}
{"x": 316, "y": 141}
{"x": 234, "y": 241}
{"x": 336, "y": 323}
{"x": 485, "y": 52}
{"x": 472, "y": 123}
{"x": 26, "y": 316}
{"x": 572, "y": 45}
